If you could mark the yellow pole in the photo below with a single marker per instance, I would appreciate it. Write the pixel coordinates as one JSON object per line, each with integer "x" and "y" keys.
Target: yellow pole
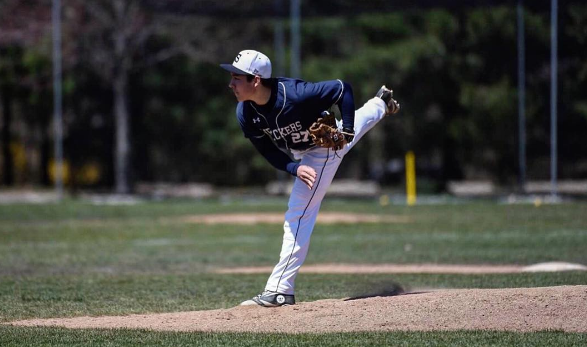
{"x": 410, "y": 178}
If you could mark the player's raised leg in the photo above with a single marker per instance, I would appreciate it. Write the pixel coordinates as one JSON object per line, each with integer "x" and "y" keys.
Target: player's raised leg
{"x": 374, "y": 110}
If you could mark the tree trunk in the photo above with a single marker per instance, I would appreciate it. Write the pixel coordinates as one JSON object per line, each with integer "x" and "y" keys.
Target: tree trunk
{"x": 120, "y": 84}
{"x": 8, "y": 164}
{"x": 122, "y": 145}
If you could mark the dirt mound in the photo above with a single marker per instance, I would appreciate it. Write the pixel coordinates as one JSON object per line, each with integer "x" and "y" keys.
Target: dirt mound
{"x": 518, "y": 309}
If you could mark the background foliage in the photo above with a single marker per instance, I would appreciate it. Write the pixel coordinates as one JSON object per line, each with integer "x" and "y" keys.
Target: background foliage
{"x": 453, "y": 70}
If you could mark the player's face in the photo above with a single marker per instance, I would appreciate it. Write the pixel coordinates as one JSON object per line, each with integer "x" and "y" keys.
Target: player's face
{"x": 242, "y": 89}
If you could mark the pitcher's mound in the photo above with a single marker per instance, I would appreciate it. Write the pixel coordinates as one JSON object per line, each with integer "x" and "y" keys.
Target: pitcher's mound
{"x": 519, "y": 309}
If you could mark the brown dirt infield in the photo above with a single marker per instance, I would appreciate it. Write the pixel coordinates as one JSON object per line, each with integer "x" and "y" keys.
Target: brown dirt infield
{"x": 278, "y": 218}
{"x": 519, "y": 309}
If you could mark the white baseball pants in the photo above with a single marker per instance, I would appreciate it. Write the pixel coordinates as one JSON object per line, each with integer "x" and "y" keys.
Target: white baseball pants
{"x": 304, "y": 203}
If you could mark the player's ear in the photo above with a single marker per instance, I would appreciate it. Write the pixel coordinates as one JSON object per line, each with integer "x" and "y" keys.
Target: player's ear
{"x": 257, "y": 80}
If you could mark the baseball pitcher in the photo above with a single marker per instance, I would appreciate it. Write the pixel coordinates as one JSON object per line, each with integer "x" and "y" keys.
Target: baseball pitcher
{"x": 284, "y": 115}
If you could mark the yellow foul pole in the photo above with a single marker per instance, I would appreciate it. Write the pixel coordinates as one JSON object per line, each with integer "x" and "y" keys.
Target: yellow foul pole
{"x": 410, "y": 178}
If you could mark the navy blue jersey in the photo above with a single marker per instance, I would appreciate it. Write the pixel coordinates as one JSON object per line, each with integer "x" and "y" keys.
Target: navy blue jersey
{"x": 282, "y": 124}
{"x": 293, "y": 107}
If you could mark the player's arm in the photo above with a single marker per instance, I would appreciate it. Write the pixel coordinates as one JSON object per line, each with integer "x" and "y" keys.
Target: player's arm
{"x": 274, "y": 155}
{"x": 347, "y": 107}
{"x": 282, "y": 161}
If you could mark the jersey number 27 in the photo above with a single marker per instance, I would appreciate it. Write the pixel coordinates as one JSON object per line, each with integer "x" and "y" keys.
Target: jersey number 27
{"x": 302, "y": 136}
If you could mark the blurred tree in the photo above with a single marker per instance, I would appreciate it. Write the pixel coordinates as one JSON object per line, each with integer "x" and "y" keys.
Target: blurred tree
{"x": 120, "y": 37}
{"x": 411, "y": 53}
{"x": 152, "y": 67}
{"x": 6, "y": 85}
{"x": 455, "y": 74}
{"x": 573, "y": 98}
{"x": 24, "y": 87}
{"x": 112, "y": 35}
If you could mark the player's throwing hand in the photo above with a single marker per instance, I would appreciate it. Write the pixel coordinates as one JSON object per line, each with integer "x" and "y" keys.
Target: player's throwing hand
{"x": 307, "y": 175}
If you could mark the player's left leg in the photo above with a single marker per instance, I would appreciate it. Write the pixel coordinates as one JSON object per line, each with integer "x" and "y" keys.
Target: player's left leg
{"x": 303, "y": 207}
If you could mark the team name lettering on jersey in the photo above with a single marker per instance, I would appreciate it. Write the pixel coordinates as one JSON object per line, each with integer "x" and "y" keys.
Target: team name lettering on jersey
{"x": 279, "y": 133}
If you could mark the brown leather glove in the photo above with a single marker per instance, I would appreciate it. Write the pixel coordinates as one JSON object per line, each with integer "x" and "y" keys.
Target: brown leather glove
{"x": 325, "y": 133}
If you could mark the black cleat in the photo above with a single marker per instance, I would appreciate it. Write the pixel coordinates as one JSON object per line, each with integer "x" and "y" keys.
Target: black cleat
{"x": 387, "y": 96}
{"x": 270, "y": 299}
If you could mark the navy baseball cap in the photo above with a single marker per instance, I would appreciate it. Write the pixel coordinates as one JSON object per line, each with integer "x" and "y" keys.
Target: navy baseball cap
{"x": 250, "y": 62}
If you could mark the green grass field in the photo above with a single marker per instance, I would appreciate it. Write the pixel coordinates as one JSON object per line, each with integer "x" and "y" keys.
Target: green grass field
{"x": 75, "y": 259}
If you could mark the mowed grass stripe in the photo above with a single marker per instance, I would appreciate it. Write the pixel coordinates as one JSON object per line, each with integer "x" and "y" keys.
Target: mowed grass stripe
{"x": 58, "y": 337}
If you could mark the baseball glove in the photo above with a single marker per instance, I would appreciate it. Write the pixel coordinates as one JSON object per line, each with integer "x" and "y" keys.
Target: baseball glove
{"x": 325, "y": 133}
